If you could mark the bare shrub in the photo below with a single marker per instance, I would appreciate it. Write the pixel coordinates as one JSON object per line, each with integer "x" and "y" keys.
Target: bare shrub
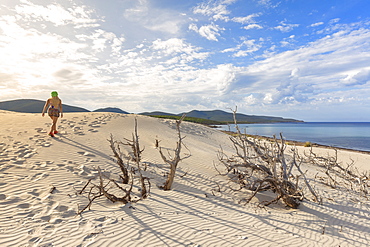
{"x": 260, "y": 165}
{"x": 339, "y": 176}
{"x": 173, "y": 160}
{"x": 119, "y": 188}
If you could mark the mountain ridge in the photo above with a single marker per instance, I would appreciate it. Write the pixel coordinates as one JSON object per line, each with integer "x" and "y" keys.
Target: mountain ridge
{"x": 222, "y": 116}
{"x": 36, "y": 106}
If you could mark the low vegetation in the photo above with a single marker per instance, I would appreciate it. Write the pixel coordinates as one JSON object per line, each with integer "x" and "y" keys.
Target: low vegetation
{"x": 129, "y": 186}
{"x": 254, "y": 166}
{"x": 259, "y": 165}
{"x": 307, "y": 144}
{"x": 190, "y": 119}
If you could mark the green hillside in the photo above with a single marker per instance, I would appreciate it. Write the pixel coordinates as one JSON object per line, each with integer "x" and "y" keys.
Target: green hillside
{"x": 189, "y": 119}
{"x": 222, "y": 117}
{"x": 111, "y": 109}
{"x": 214, "y": 117}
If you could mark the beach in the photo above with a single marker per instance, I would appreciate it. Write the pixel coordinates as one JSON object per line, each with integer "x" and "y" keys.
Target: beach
{"x": 41, "y": 177}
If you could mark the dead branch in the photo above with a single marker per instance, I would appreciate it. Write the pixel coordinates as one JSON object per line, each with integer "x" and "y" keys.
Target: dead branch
{"x": 120, "y": 163}
{"x": 84, "y": 186}
{"x": 337, "y": 176}
{"x": 174, "y": 161}
{"x": 121, "y": 189}
{"x": 259, "y": 166}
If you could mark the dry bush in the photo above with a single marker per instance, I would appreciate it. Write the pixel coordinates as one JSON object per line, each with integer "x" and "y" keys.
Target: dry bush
{"x": 173, "y": 160}
{"x": 335, "y": 175}
{"x": 260, "y": 165}
{"x": 120, "y": 188}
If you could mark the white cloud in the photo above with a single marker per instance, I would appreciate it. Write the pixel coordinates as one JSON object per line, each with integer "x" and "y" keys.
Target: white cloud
{"x": 268, "y": 3}
{"x": 357, "y": 78}
{"x": 216, "y": 9}
{"x": 253, "y": 26}
{"x": 55, "y": 14}
{"x": 308, "y": 73}
{"x": 317, "y": 24}
{"x": 176, "y": 46}
{"x": 209, "y": 32}
{"x": 244, "y": 48}
{"x": 153, "y": 18}
{"x": 335, "y": 20}
{"x": 40, "y": 59}
{"x": 283, "y": 27}
{"x": 284, "y": 43}
{"x": 147, "y": 57}
{"x": 247, "y": 19}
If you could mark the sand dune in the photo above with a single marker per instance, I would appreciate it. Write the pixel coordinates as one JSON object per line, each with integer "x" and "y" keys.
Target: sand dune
{"x": 40, "y": 177}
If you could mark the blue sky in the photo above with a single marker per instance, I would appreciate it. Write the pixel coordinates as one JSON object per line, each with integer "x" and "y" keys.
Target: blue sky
{"x": 308, "y": 60}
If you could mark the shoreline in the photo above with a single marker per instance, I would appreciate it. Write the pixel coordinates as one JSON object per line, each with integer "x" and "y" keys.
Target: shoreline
{"x": 40, "y": 198}
{"x": 299, "y": 143}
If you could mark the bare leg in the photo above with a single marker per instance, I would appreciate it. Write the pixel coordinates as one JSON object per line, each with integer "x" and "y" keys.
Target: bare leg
{"x": 53, "y": 126}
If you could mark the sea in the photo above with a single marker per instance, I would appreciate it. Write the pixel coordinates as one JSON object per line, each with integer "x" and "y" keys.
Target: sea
{"x": 352, "y": 135}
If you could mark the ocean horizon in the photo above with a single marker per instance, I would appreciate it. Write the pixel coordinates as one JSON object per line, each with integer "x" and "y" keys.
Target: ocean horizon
{"x": 349, "y": 135}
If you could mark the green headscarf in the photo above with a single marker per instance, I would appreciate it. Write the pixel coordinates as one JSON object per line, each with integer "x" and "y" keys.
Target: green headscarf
{"x": 54, "y": 94}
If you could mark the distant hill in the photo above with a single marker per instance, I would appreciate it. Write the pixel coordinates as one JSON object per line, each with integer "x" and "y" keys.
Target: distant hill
{"x": 33, "y": 106}
{"x": 111, "y": 109}
{"x": 212, "y": 117}
{"x": 158, "y": 113}
{"x": 222, "y": 116}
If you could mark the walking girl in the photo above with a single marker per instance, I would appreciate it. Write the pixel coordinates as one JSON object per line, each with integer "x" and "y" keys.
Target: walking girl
{"x": 55, "y": 109}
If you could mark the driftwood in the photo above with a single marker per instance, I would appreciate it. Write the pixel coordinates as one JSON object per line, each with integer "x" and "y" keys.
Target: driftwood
{"x": 122, "y": 188}
{"x": 135, "y": 157}
{"x": 118, "y": 155}
{"x": 173, "y": 161}
{"x": 259, "y": 166}
{"x": 338, "y": 176}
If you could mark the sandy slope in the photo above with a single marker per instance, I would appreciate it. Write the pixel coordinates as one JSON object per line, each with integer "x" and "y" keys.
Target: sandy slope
{"x": 31, "y": 164}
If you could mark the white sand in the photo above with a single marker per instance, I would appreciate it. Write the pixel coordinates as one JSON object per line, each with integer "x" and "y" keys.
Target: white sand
{"x": 31, "y": 163}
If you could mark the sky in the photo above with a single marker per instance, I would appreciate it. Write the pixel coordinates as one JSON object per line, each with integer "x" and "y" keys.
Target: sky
{"x": 308, "y": 60}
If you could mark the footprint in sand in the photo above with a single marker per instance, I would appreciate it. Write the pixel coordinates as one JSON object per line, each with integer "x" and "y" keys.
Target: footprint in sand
{"x": 25, "y": 152}
{"x": 5, "y": 167}
{"x": 94, "y": 125}
{"x": 39, "y": 176}
{"x": 34, "y": 192}
{"x": 35, "y": 240}
{"x": 84, "y": 171}
{"x": 42, "y": 142}
{"x": 87, "y": 154}
{"x": 56, "y": 221}
{"x": 46, "y": 218}
{"x": 40, "y": 130}
{"x": 83, "y": 122}
{"x": 19, "y": 161}
{"x": 61, "y": 208}
{"x": 42, "y": 163}
{"x": 80, "y": 133}
{"x": 2, "y": 196}
{"x": 68, "y": 213}
{"x": 24, "y": 205}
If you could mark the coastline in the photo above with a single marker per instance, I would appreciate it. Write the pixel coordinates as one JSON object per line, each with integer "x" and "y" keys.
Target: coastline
{"x": 351, "y": 136}
{"x": 298, "y": 143}
{"x": 41, "y": 178}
